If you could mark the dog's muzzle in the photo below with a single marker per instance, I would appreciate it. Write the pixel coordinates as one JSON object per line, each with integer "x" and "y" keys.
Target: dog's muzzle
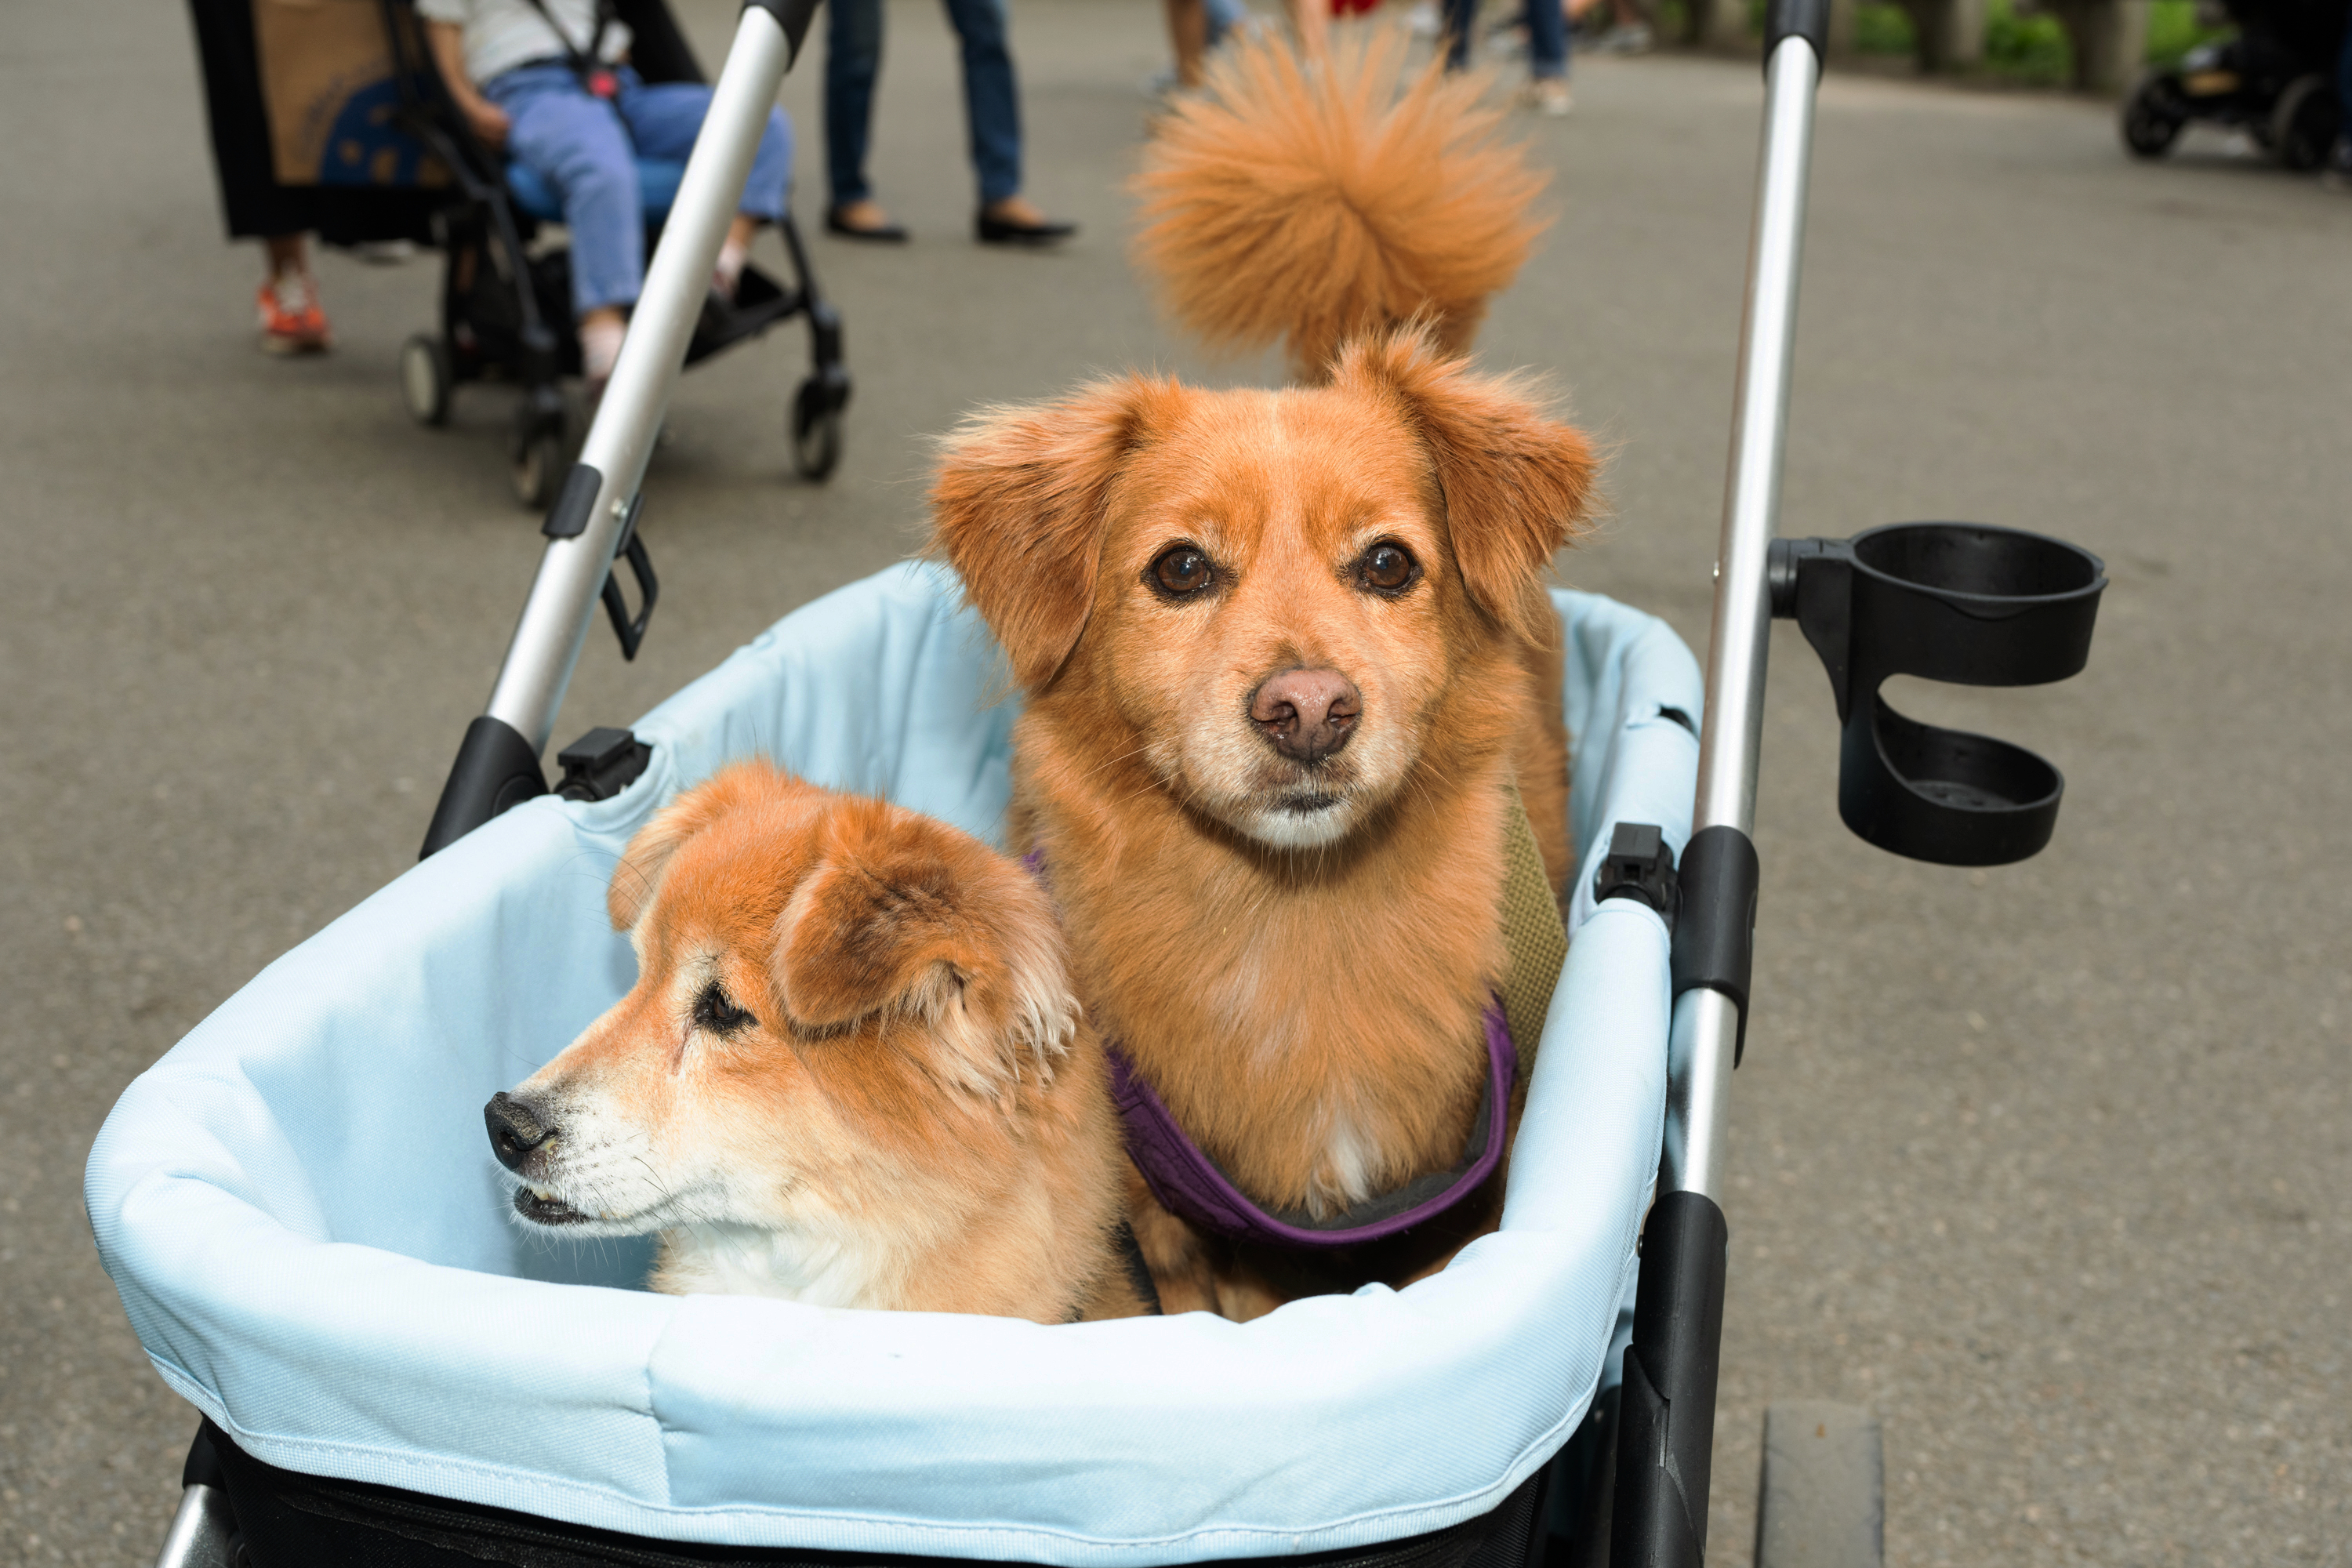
{"x": 517, "y": 1132}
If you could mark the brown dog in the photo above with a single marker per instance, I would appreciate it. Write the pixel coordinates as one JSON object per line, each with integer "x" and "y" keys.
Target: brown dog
{"x": 851, "y": 1071}
{"x": 1285, "y": 655}
{"x": 1316, "y": 204}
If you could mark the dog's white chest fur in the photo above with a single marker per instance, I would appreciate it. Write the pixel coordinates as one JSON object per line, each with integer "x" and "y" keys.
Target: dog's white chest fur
{"x": 795, "y": 1265}
{"x": 1346, "y": 1176}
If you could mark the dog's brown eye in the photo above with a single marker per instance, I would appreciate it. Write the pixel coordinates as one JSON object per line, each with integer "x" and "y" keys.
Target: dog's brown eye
{"x": 714, "y": 1011}
{"x": 1181, "y": 570}
{"x": 1388, "y": 568}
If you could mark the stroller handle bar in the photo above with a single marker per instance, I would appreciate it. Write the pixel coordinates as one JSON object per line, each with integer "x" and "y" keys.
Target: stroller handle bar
{"x": 1707, "y": 1022}
{"x": 1665, "y": 1435}
{"x": 498, "y": 764}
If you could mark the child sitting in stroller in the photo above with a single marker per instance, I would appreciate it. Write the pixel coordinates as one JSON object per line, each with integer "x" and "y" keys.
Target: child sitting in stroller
{"x": 548, "y": 82}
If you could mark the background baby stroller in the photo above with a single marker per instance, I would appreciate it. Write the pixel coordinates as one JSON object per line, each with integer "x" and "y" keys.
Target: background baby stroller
{"x": 2276, "y": 81}
{"x": 506, "y": 306}
{"x": 671, "y": 1427}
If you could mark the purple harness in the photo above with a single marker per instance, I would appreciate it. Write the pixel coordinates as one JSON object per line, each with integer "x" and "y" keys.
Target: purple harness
{"x": 1190, "y": 1185}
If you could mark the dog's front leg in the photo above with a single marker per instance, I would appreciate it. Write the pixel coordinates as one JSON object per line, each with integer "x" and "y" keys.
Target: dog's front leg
{"x": 1192, "y": 1273}
{"x": 1178, "y": 1255}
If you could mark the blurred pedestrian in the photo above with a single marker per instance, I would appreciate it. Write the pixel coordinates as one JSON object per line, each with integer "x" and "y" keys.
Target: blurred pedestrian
{"x": 1547, "y": 89}
{"x": 1628, "y": 30}
{"x": 254, "y": 205}
{"x": 1196, "y": 26}
{"x": 991, "y": 101}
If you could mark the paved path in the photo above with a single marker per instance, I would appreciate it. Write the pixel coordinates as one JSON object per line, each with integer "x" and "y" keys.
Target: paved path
{"x": 2047, "y": 1163}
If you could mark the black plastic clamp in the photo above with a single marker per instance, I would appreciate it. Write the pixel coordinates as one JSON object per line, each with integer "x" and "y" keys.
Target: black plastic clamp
{"x": 496, "y": 771}
{"x": 1715, "y": 936}
{"x": 1638, "y": 866}
{"x": 1806, "y": 19}
{"x": 794, "y": 17}
{"x": 601, "y": 763}
{"x": 568, "y": 518}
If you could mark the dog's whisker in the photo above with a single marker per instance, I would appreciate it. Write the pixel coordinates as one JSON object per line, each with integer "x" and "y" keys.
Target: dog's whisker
{"x": 1110, "y": 762}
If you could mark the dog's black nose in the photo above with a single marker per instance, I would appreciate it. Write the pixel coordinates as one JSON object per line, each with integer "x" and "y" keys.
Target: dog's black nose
{"x": 515, "y": 1129}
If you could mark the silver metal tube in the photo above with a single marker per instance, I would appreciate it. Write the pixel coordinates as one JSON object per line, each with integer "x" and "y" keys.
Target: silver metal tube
{"x": 200, "y": 1532}
{"x": 1706, "y": 1022}
{"x": 1698, "y": 1077}
{"x": 1741, "y": 636}
{"x": 555, "y": 618}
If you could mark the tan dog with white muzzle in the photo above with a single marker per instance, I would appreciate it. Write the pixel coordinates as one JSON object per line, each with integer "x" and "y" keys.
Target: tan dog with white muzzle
{"x": 1291, "y": 674}
{"x": 851, "y": 1071}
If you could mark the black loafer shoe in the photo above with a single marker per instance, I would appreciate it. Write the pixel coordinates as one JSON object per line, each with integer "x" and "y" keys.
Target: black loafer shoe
{"x": 888, "y": 234}
{"x": 1000, "y": 231}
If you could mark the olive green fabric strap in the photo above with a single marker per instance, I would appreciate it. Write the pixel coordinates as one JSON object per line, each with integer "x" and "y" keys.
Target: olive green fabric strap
{"x": 1533, "y": 934}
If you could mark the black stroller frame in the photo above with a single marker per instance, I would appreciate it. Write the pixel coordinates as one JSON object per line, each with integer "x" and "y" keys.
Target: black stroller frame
{"x": 2276, "y": 81}
{"x": 506, "y": 312}
{"x": 1947, "y": 601}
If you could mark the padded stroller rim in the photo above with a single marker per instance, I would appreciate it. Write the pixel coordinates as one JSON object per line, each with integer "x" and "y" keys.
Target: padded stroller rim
{"x": 401, "y": 1344}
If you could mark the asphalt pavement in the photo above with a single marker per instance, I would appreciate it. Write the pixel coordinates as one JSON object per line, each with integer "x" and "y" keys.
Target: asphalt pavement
{"x": 2046, "y": 1163}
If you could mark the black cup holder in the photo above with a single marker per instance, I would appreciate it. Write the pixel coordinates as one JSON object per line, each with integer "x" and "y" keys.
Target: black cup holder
{"x": 1955, "y": 602}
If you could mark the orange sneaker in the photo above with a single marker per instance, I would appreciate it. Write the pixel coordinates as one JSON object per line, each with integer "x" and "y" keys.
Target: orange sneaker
{"x": 292, "y": 322}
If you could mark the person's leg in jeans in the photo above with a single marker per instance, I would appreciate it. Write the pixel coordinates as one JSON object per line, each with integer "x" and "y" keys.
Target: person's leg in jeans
{"x": 577, "y": 144}
{"x": 665, "y": 118}
{"x": 1547, "y": 57}
{"x": 853, "y": 60}
{"x": 991, "y": 101}
{"x": 1547, "y": 50}
{"x": 992, "y": 98}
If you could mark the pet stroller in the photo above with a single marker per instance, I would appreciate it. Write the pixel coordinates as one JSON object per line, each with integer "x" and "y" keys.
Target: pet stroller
{"x": 506, "y": 306}
{"x": 310, "y": 1244}
{"x": 2276, "y": 81}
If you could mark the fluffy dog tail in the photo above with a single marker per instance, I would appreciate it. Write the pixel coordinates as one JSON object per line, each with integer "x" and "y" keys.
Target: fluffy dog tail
{"x": 1313, "y": 203}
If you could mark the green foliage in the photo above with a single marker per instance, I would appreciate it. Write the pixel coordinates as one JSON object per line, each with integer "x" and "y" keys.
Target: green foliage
{"x": 2172, "y": 31}
{"x": 2027, "y": 48}
{"x": 2032, "y": 49}
{"x": 1883, "y": 30}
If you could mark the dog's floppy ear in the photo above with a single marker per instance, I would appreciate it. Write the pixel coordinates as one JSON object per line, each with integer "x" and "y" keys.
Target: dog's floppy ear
{"x": 1516, "y": 484}
{"x": 1018, "y": 510}
{"x": 638, "y": 875}
{"x": 909, "y": 918}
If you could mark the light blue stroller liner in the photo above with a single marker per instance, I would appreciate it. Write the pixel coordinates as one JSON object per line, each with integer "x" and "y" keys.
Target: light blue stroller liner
{"x": 298, "y": 1205}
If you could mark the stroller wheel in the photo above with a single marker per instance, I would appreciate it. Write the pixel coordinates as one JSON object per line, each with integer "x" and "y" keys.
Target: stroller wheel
{"x": 2303, "y": 123}
{"x": 816, "y": 430}
{"x": 426, "y": 380}
{"x": 537, "y": 465}
{"x": 1823, "y": 1501}
{"x": 2152, "y": 117}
